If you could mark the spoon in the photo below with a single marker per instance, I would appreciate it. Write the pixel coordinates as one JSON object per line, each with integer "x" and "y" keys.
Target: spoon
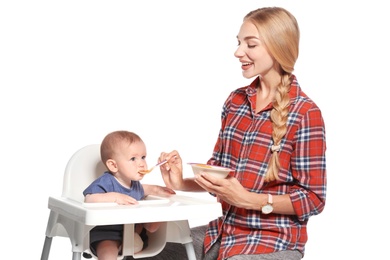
{"x": 151, "y": 169}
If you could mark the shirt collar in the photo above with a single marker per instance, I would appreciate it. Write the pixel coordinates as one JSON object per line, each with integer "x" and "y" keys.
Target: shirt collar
{"x": 293, "y": 93}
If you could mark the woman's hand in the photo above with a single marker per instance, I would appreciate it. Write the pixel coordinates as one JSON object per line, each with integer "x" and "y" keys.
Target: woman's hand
{"x": 172, "y": 171}
{"x": 229, "y": 189}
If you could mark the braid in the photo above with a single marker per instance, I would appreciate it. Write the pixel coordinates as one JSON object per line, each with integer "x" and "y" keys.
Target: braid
{"x": 279, "y": 115}
{"x": 280, "y": 34}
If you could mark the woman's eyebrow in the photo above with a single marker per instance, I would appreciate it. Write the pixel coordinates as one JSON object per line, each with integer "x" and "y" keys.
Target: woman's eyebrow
{"x": 250, "y": 37}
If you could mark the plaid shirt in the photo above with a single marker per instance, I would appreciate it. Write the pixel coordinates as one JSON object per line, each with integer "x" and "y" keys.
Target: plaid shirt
{"x": 244, "y": 144}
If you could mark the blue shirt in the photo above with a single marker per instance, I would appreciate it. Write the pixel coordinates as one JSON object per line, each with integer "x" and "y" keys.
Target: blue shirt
{"x": 108, "y": 183}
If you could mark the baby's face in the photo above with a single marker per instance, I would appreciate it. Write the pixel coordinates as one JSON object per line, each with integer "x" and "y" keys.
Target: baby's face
{"x": 130, "y": 159}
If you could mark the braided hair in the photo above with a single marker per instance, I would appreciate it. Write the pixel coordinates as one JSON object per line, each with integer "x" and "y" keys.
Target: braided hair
{"x": 279, "y": 32}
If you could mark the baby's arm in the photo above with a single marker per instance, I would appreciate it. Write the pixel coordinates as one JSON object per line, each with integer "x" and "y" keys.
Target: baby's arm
{"x": 119, "y": 198}
{"x": 157, "y": 190}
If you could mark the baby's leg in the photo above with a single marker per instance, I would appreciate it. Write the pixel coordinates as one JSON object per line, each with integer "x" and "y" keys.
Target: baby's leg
{"x": 152, "y": 227}
{"x": 108, "y": 249}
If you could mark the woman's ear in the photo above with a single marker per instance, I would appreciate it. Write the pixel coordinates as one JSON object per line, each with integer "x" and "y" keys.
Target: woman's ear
{"x": 111, "y": 165}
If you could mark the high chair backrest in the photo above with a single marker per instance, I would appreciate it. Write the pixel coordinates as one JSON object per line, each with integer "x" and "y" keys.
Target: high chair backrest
{"x": 82, "y": 169}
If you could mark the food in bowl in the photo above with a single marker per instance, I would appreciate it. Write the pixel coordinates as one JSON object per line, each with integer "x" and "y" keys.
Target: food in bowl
{"x": 216, "y": 171}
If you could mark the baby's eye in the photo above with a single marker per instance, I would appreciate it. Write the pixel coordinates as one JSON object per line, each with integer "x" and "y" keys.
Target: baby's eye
{"x": 132, "y": 159}
{"x": 143, "y": 157}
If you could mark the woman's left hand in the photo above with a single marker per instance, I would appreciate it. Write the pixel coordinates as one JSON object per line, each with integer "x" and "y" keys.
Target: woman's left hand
{"x": 229, "y": 189}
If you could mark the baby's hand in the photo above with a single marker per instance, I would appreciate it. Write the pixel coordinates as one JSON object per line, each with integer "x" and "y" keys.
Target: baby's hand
{"x": 164, "y": 191}
{"x": 157, "y": 190}
{"x": 123, "y": 199}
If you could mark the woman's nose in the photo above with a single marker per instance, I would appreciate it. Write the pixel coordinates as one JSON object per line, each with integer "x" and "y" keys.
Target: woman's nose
{"x": 239, "y": 53}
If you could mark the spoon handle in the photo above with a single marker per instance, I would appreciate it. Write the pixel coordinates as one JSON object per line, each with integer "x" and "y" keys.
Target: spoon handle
{"x": 161, "y": 163}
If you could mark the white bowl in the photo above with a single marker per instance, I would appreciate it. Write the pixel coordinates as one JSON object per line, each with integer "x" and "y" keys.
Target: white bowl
{"x": 216, "y": 171}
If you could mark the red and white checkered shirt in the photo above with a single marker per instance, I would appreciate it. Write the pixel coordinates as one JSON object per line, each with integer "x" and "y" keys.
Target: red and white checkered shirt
{"x": 244, "y": 144}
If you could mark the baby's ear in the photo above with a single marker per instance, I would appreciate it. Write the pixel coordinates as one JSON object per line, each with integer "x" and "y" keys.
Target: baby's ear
{"x": 111, "y": 165}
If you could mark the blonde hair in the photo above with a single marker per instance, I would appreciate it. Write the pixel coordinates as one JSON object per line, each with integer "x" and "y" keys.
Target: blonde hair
{"x": 113, "y": 140}
{"x": 279, "y": 32}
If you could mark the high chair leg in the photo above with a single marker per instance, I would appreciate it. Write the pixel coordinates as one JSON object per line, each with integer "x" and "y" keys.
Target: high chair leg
{"x": 190, "y": 251}
{"x": 76, "y": 256}
{"x": 46, "y": 248}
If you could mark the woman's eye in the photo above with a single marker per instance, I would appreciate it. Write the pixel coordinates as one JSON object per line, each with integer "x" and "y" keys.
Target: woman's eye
{"x": 251, "y": 46}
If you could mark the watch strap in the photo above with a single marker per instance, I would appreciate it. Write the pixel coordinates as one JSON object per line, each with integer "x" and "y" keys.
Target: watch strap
{"x": 270, "y": 201}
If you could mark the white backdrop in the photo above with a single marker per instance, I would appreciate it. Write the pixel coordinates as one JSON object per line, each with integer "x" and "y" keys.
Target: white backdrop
{"x": 72, "y": 71}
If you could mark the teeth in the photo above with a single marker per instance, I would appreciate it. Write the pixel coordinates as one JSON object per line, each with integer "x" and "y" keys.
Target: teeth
{"x": 246, "y": 64}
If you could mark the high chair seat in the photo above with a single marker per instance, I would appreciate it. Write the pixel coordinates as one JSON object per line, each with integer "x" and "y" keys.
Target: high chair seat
{"x": 71, "y": 217}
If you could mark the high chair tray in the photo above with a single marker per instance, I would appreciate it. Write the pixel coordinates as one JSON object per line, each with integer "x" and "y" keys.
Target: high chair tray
{"x": 173, "y": 208}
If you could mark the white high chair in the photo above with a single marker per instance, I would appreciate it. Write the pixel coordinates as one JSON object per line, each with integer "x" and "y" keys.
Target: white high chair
{"x": 71, "y": 217}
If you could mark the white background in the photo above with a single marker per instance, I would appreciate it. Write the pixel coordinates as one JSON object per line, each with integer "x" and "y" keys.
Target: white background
{"x": 72, "y": 71}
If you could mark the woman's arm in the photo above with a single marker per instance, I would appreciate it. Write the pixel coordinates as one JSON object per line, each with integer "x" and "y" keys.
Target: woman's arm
{"x": 231, "y": 191}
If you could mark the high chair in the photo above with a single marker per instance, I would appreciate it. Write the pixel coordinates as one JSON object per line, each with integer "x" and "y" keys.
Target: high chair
{"x": 71, "y": 217}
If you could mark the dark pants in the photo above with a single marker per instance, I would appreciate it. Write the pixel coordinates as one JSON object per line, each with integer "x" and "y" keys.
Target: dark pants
{"x": 175, "y": 251}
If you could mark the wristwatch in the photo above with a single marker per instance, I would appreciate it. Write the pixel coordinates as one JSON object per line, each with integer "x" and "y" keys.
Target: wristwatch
{"x": 268, "y": 208}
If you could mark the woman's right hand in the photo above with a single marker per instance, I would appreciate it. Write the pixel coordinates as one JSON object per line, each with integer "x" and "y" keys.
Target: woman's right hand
{"x": 172, "y": 171}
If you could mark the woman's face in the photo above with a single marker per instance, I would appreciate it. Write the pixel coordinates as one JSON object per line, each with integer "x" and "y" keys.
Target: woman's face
{"x": 252, "y": 53}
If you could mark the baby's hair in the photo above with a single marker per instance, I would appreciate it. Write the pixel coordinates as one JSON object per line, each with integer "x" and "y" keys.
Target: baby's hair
{"x": 111, "y": 142}
{"x": 279, "y": 31}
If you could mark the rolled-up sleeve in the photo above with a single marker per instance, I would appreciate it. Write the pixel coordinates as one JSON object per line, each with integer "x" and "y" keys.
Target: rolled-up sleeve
{"x": 309, "y": 166}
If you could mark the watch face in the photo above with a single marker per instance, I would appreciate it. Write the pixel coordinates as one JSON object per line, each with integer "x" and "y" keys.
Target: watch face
{"x": 266, "y": 209}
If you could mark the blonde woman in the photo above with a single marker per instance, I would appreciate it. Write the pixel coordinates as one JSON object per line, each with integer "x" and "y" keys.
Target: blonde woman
{"x": 273, "y": 136}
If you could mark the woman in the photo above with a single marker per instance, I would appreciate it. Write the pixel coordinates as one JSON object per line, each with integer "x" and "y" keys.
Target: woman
{"x": 273, "y": 136}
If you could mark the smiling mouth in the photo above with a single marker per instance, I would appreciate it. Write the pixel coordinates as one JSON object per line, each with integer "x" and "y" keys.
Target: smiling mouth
{"x": 246, "y": 65}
